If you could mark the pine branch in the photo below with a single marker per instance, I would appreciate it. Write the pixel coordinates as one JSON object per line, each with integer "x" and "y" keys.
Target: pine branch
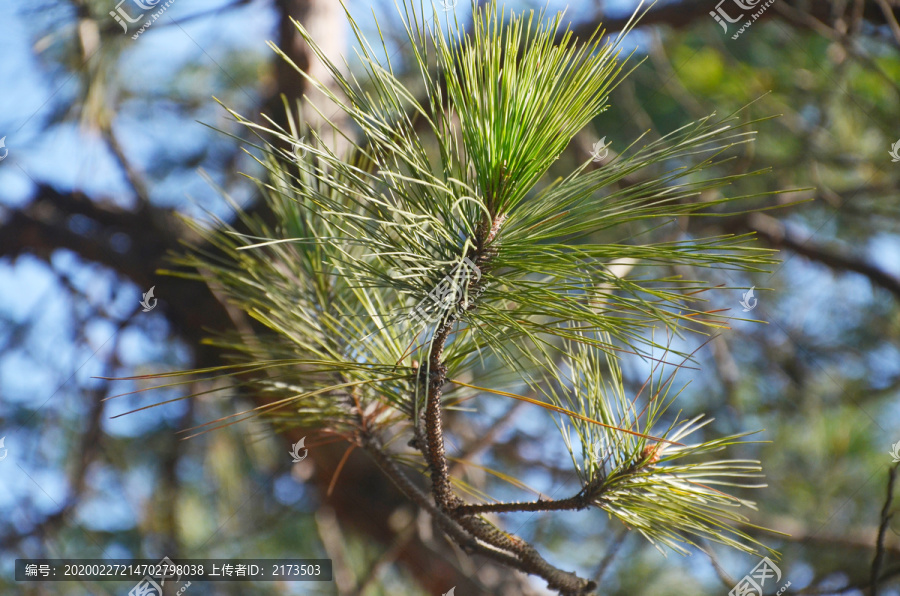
{"x": 466, "y": 530}
{"x": 356, "y": 238}
{"x": 574, "y": 503}
{"x": 437, "y": 458}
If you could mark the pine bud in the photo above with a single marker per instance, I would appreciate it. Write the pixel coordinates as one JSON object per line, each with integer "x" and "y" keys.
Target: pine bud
{"x": 650, "y": 454}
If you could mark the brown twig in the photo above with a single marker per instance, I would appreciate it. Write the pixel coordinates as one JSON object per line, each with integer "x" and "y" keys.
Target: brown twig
{"x": 889, "y": 18}
{"x": 434, "y": 430}
{"x": 576, "y": 502}
{"x": 611, "y": 552}
{"x": 454, "y": 530}
{"x": 470, "y": 531}
{"x": 588, "y": 495}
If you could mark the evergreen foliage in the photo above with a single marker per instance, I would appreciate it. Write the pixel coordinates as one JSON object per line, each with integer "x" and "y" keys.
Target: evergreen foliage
{"x": 442, "y": 193}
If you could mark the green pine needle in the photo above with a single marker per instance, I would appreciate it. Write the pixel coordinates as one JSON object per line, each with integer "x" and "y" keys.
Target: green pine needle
{"x": 457, "y": 172}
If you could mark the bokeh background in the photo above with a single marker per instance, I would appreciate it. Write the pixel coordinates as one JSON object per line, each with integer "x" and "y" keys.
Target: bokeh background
{"x": 107, "y": 138}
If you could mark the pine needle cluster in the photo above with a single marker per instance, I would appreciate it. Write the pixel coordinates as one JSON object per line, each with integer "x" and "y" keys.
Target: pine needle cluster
{"x": 434, "y": 250}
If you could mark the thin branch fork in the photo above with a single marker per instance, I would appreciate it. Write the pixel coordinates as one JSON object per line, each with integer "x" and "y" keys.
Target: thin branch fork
{"x": 588, "y": 495}
{"x": 471, "y": 532}
{"x": 448, "y": 524}
{"x": 577, "y": 502}
{"x": 475, "y": 536}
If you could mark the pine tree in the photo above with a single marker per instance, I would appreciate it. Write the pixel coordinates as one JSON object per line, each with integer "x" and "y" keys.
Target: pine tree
{"x": 433, "y": 250}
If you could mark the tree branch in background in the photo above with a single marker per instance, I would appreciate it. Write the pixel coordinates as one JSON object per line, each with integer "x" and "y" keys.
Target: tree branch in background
{"x": 775, "y": 233}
